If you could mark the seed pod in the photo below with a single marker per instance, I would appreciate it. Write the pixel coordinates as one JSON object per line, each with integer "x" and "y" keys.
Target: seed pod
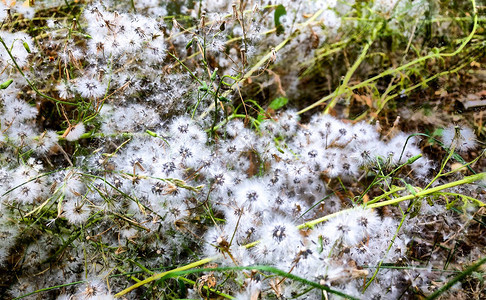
{"x": 5, "y": 84}
{"x": 26, "y": 46}
{"x": 213, "y": 76}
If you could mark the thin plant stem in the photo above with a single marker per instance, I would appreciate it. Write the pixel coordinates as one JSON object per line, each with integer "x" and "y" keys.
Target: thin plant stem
{"x": 423, "y": 193}
{"x": 50, "y": 288}
{"x": 160, "y": 275}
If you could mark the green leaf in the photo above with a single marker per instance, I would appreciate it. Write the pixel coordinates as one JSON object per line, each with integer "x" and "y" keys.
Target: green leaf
{"x": 224, "y": 99}
{"x": 411, "y": 160}
{"x": 151, "y": 133}
{"x": 411, "y": 189}
{"x": 26, "y": 46}
{"x": 203, "y": 87}
{"x": 278, "y": 103}
{"x": 189, "y": 44}
{"x": 436, "y": 133}
{"x": 182, "y": 288}
{"x": 213, "y": 76}
{"x": 6, "y": 84}
{"x": 279, "y": 11}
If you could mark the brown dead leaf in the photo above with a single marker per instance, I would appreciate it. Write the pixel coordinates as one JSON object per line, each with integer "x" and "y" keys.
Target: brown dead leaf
{"x": 119, "y": 250}
{"x": 458, "y": 167}
{"x": 366, "y": 198}
{"x": 364, "y": 99}
{"x": 206, "y": 280}
{"x": 441, "y": 93}
{"x": 475, "y": 64}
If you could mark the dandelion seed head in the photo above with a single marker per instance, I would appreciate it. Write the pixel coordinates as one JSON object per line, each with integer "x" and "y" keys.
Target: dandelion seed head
{"x": 460, "y": 137}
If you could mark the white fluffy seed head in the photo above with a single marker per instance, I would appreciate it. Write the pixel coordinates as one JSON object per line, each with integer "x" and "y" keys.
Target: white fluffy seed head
{"x": 76, "y": 132}
{"x": 460, "y": 137}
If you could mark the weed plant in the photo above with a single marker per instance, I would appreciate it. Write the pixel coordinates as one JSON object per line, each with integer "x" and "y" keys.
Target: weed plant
{"x": 240, "y": 150}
